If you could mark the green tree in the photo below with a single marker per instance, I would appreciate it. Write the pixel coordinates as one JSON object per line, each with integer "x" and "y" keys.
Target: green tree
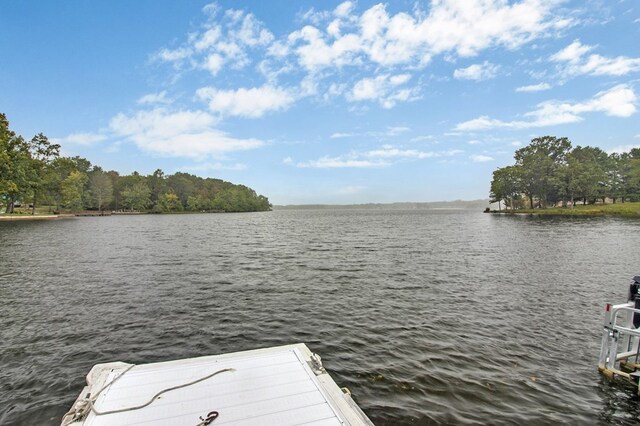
{"x": 15, "y": 165}
{"x": 43, "y": 153}
{"x": 100, "y": 188}
{"x": 168, "y": 202}
{"x": 588, "y": 173}
{"x": 632, "y": 187}
{"x": 540, "y": 163}
{"x": 617, "y": 175}
{"x": 200, "y": 202}
{"x": 58, "y": 171}
{"x": 81, "y": 164}
{"x": 72, "y": 189}
{"x": 157, "y": 184}
{"x": 184, "y": 186}
{"x": 505, "y": 185}
{"x": 137, "y": 196}
{"x": 117, "y": 182}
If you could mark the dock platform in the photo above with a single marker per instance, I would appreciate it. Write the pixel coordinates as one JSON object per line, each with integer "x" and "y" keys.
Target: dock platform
{"x": 284, "y": 385}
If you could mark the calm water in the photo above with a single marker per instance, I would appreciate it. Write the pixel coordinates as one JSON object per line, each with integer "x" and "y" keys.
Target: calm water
{"x": 427, "y": 316}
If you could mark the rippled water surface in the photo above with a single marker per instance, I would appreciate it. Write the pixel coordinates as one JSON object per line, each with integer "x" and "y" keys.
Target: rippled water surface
{"x": 427, "y": 317}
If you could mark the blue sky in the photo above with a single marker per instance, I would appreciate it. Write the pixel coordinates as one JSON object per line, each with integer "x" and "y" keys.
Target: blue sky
{"x": 322, "y": 102}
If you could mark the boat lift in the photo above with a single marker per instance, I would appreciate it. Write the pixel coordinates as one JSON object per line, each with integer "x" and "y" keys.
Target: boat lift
{"x": 620, "y": 352}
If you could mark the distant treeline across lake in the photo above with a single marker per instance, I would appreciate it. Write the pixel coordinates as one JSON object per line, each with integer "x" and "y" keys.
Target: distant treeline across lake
{"x": 33, "y": 173}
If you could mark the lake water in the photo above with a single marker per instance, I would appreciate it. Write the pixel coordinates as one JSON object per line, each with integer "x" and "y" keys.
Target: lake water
{"x": 427, "y": 316}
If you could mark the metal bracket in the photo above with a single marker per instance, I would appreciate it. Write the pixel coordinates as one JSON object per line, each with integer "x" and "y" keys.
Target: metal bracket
{"x": 316, "y": 365}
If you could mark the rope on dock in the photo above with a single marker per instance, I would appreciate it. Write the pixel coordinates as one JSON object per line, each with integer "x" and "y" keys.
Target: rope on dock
{"x": 88, "y": 404}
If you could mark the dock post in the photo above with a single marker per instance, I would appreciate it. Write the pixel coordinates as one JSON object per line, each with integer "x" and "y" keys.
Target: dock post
{"x": 609, "y": 344}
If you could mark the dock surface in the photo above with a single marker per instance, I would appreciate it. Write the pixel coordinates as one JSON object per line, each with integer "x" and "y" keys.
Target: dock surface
{"x": 275, "y": 386}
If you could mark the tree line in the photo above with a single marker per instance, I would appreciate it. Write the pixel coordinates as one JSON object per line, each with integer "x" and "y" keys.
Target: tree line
{"x": 550, "y": 172}
{"x": 33, "y": 172}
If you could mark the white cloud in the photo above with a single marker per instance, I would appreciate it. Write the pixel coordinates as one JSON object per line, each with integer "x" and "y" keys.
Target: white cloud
{"x": 534, "y": 87}
{"x": 175, "y": 55}
{"x": 576, "y": 62}
{"x": 155, "y": 98}
{"x": 224, "y": 40}
{"x": 572, "y": 53}
{"x": 278, "y": 49}
{"x": 335, "y": 90}
{"x": 252, "y": 33}
{"x": 179, "y": 133}
{"x": 287, "y": 160}
{"x": 369, "y": 88}
{"x": 252, "y": 103}
{"x": 388, "y": 152}
{"x": 464, "y": 28}
{"x": 314, "y": 16}
{"x": 622, "y": 149}
{"x": 480, "y": 158}
{"x": 384, "y": 89}
{"x": 396, "y": 130}
{"x": 340, "y": 162}
{"x": 619, "y": 101}
{"x": 204, "y": 167}
{"x": 211, "y": 9}
{"x": 308, "y": 86}
{"x": 396, "y": 80}
{"x": 620, "y": 65}
{"x": 390, "y": 132}
{"x": 213, "y": 63}
{"x": 392, "y": 44}
{"x": 385, "y": 156}
{"x": 314, "y": 53}
{"x": 423, "y": 138}
{"x": 477, "y": 72}
{"x": 85, "y": 139}
{"x": 341, "y": 135}
{"x": 481, "y": 123}
{"x": 208, "y": 39}
{"x": 344, "y": 9}
{"x": 468, "y": 27}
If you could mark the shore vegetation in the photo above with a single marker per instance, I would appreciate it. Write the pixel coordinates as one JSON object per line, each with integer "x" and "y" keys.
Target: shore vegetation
{"x": 552, "y": 177}
{"x": 33, "y": 174}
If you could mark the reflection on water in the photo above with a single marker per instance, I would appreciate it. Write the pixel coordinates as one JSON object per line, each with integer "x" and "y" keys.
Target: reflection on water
{"x": 427, "y": 316}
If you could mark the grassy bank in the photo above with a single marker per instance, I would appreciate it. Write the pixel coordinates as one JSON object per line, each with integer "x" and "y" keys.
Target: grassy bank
{"x": 11, "y": 217}
{"x": 618, "y": 209}
{"x": 44, "y": 212}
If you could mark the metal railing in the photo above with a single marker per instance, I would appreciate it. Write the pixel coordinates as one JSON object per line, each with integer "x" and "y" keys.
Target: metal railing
{"x": 620, "y": 338}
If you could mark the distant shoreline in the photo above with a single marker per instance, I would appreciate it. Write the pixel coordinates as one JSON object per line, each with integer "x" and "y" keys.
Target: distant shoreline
{"x": 29, "y": 216}
{"x": 433, "y": 205}
{"x": 34, "y": 217}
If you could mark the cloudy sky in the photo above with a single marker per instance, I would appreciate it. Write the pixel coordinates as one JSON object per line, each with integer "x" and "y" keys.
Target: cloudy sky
{"x": 322, "y": 102}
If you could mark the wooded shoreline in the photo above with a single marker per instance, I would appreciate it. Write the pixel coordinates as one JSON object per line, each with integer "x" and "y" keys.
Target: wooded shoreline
{"x": 550, "y": 172}
{"x": 33, "y": 174}
{"x": 48, "y": 216}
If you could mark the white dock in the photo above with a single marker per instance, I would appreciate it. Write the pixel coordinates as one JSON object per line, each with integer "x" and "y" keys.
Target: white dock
{"x": 285, "y": 385}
